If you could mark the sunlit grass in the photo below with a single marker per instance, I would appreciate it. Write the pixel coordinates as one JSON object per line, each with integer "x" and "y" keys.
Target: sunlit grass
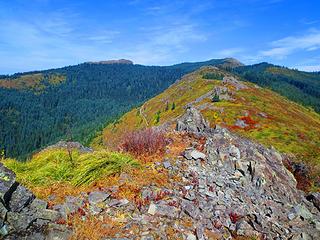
{"x": 56, "y": 166}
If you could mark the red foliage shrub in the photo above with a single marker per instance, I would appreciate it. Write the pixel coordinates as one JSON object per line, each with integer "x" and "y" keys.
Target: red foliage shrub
{"x": 248, "y": 120}
{"x": 234, "y": 217}
{"x": 144, "y": 142}
{"x": 61, "y": 221}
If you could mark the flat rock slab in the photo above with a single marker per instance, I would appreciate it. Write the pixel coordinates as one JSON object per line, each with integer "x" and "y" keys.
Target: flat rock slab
{"x": 97, "y": 197}
{"x": 197, "y": 155}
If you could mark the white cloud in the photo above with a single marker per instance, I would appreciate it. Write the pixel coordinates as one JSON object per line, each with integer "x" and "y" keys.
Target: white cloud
{"x": 309, "y": 68}
{"x": 289, "y": 45}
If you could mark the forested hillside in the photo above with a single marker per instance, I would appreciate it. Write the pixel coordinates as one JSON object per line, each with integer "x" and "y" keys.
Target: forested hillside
{"x": 40, "y": 108}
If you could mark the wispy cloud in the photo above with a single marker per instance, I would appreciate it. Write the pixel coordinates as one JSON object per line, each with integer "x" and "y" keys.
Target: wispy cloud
{"x": 103, "y": 37}
{"x": 309, "y": 68}
{"x": 162, "y": 43}
{"x": 53, "y": 40}
{"x": 283, "y": 47}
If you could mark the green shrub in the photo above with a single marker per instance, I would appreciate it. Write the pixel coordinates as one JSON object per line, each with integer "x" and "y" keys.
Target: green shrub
{"x": 173, "y": 107}
{"x": 213, "y": 75}
{"x": 157, "y": 117}
{"x": 215, "y": 98}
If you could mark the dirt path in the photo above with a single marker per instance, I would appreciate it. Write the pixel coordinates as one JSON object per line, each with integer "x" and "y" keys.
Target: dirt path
{"x": 143, "y": 116}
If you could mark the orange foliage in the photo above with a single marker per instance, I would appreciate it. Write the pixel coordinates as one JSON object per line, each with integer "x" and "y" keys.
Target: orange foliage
{"x": 94, "y": 228}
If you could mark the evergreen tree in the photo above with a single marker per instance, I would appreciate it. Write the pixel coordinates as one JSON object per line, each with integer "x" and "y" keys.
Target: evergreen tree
{"x": 173, "y": 107}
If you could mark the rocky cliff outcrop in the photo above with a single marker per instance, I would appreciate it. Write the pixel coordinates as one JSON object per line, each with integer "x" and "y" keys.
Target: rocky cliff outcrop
{"x": 22, "y": 216}
{"x": 244, "y": 187}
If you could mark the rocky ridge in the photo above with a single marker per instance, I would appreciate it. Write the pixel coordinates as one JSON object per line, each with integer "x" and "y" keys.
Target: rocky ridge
{"x": 229, "y": 186}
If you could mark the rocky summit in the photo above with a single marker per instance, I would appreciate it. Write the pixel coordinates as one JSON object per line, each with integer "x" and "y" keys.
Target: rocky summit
{"x": 224, "y": 187}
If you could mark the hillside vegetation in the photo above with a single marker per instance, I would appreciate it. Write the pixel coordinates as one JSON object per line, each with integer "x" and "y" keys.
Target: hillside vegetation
{"x": 75, "y": 102}
{"x": 301, "y": 87}
{"x": 257, "y": 113}
{"x": 40, "y": 108}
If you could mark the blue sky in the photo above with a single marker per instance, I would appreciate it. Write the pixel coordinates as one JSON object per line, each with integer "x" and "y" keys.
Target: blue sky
{"x": 41, "y": 34}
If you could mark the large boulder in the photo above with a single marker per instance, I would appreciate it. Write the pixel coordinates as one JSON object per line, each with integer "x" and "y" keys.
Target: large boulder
{"x": 22, "y": 216}
{"x": 192, "y": 121}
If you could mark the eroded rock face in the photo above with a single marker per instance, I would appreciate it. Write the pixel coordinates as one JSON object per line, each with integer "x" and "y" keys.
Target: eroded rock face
{"x": 229, "y": 80}
{"x": 193, "y": 122}
{"x": 22, "y": 216}
{"x": 245, "y": 187}
{"x": 223, "y": 93}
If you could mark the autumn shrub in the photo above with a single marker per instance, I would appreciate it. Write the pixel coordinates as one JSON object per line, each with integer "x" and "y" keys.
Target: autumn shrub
{"x": 144, "y": 142}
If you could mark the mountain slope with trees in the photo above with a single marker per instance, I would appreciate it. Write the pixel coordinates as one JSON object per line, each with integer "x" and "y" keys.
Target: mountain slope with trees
{"x": 75, "y": 102}
{"x": 40, "y": 108}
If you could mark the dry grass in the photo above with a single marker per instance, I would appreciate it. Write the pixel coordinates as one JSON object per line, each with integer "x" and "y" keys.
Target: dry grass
{"x": 94, "y": 228}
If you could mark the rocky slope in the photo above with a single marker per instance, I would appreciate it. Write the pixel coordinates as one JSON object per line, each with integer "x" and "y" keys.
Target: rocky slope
{"x": 242, "y": 107}
{"x": 222, "y": 186}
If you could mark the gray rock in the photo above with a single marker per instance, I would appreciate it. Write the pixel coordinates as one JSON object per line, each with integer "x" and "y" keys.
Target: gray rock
{"x": 190, "y": 209}
{"x": 315, "y": 199}
{"x": 291, "y": 216}
{"x": 302, "y": 211}
{"x": 18, "y": 222}
{"x": 7, "y": 183}
{"x": 240, "y": 123}
{"x": 167, "y": 165}
{"x": 191, "y": 236}
{"x": 192, "y": 121}
{"x": 58, "y": 232}
{"x": 48, "y": 214}
{"x": 97, "y": 197}
{"x": 70, "y": 145}
{"x": 234, "y": 152}
{"x": 3, "y": 230}
{"x": 3, "y": 212}
{"x": 187, "y": 154}
{"x": 163, "y": 209}
{"x": 230, "y": 80}
{"x": 152, "y": 209}
{"x": 20, "y": 198}
{"x": 38, "y": 204}
{"x": 94, "y": 210}
{"x": 118, "y": 203}
{"x": 197, "y": 155}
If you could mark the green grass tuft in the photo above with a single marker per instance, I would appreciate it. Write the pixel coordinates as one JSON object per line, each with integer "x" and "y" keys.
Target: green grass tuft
{"x": 101, "y": 164}
{"x": 52, "y": 166}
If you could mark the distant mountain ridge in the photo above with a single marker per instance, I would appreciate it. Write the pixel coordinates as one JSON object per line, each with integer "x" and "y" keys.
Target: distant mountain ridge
{"x": 120, "y": 61}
